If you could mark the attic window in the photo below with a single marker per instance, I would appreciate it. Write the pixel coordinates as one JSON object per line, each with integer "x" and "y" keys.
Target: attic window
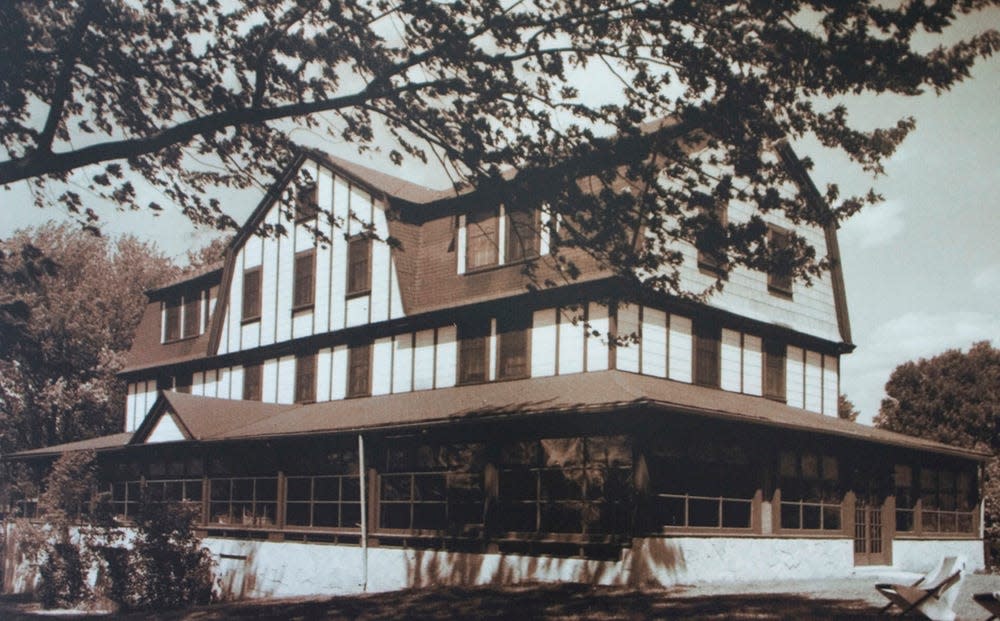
{"x": 482, "y": 249}
{"x": 779, "y": 279}
{"x": 182, "y": 316}
{"x": 522, "y": 236}
{"x": 306, "y": 201}
{"x": 303, "y": 292}
{"x": 711, "y": 239}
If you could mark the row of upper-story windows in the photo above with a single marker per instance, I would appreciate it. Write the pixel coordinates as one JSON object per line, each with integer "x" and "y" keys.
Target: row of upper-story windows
{"x": 184, "y": 315}
{"x": 359, "y": 251}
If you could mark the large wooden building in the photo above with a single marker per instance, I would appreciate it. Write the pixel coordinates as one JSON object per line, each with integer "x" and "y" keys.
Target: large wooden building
{"x": 349, "y": 414}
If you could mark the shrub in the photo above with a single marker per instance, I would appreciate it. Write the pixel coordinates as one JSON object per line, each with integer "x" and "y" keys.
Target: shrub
{"x": 62, "y": 582}
{"x": 167, "y": 567}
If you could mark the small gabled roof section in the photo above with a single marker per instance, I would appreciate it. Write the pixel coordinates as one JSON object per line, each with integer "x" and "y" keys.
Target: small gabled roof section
{"x": 200, "y": 418}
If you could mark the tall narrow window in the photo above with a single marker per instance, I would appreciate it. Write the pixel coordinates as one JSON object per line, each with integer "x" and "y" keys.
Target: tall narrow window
{"x": 711, "y": 239}
{"x": 513, "y": 329}
{"x": 305, "y": 378}
{"x": 706, "y": 356}
{"x": 359, "y": 371}
{"x": 192, "y": 315}
{"x": 306, "y": 203}
{"x": 303, "y": 290}
{"x": 251, "y": 294}
{"x": 358, "y": 265}
{"x": 252, "y": 382}
{"x": 172, "y": 320}
{"x": 522, "y": 235}
{"x": 779, "y": 279}
{"x": 473, "y": 351}
{"x": 774, "y": 370}
{"x": 482, "y": 244}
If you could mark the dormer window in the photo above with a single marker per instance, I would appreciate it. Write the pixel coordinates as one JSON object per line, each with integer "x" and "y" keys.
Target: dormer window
{"x": 183, "y": 316}
{"x": 483, "y": 244}
{"x": 522, "y": 236}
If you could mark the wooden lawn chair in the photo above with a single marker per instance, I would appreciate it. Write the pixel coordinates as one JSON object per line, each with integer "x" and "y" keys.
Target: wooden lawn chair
{"x": 989, "y": 601}
{"x": 931, "y": 596}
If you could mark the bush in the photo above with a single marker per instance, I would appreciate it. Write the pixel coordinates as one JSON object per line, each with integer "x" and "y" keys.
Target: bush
{"x": 167, "y": 568}
{"x": 62, "y": 582}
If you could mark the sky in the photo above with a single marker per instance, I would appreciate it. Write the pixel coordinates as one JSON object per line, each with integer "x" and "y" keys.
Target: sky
{"x": 922, "y": 269}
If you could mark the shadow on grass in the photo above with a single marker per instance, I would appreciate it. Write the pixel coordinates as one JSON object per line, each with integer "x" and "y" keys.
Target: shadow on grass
{"x": 568, "y": 601}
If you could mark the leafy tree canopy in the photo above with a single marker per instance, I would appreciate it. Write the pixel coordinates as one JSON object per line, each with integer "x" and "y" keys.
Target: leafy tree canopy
{"x": 846, "y": 409}
{"x": 191, "y": 96}
{"x": 80, "y": 298}
{"x": 953, "y": 397}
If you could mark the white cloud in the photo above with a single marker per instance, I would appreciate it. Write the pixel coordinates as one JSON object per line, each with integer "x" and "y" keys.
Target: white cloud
{"x": 908, "y": 337}
{"x": 987, "y": 279}
{"x": 874, "y": 225}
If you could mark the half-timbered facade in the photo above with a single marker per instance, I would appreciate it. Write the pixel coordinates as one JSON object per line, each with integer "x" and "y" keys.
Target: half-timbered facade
{"x": 327, "y": 399}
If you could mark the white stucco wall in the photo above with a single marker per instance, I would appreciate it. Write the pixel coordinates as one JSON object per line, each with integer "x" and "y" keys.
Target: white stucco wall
{"x": 921, "y": 555}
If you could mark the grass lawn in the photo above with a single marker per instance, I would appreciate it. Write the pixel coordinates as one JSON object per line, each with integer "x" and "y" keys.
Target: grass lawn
{"x": 566, "y": 601}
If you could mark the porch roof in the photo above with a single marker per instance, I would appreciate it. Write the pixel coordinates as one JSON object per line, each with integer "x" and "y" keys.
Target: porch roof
{"x": 208, "y": 419}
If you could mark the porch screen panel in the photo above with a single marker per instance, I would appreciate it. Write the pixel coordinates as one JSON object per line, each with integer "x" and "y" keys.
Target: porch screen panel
{"x": 436, "y": 488}
{"x": 323, "y": 488}
{"x": 701, "y": 484}
{"x": 571, "y": 485}
{"x": 811, "y": 492}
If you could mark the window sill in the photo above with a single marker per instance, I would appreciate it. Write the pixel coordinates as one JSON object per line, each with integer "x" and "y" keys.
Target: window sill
{"x": 303, "y": 308}
{"x": 180, "y": 339}
{"x": 778, "y": 292}
{"x": 249, "y": 320}
{"x": 350, "y": 295}
{"x": 498, "y": 266}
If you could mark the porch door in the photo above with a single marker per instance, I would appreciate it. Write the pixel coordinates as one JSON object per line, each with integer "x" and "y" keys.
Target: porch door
{"x": 870, "y": 546}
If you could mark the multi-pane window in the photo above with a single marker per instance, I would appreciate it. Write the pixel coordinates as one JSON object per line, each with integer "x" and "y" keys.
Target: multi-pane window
{"x": 946, "y": 499}
{"x": 359, "y": 370}
{"x": 433, "y": 487}
{"x": 522, "y": 236}
{"x": 192, "y": 315}
{"x": 774, "y": 370}
{"x": 252, "y": 382}
{"x": 707, "y": 365}
{"x": 303, "y": 289}
{"x": 245, "y": 501}
{"x": 172, "y": 320}
{"x": 327, "y": 501}
{"x": 482, "y": 241}
{"x": 701, "y": 485}
{"x": 905, "y": 498}
{"x": 779, "y": 278}
{"x": 566, "y": 485}
{"x": 251, "y": 294}
{"x": 182, "y": 316}
{"x": 358, "y": 265}
{"x": 811, "y": 493}
{"x": 711, "y": 239}
{"x": 473, "y": 350}
{"x": 513, "y": 331}
{"x": 305, "y": 378}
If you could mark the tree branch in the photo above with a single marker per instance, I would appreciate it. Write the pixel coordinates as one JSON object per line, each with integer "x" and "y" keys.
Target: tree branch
{"x": 54, "y": 163}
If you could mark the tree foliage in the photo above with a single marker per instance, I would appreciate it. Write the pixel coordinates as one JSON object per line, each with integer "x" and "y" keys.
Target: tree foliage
{"x": 197, "y": 95}
{"x": 77, "y": 318}
{"x": 846, "y": 409}
{"x": 953, "y": 397}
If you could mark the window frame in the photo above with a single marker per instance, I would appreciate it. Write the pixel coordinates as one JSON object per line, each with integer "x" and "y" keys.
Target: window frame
{"x": 716, "y": 215}
{"x": 172, "y": 312}
{"x": 305, "y": 378}
{"x": 364, "y": 287}
{"x": 252, "y": 312}
{"x": 778, "y": 283}
{"x": 253, "y": 382}
{"x": 306, "y": 201}
{"x": 194, "y": 303}
{"x": 475, "y": 229}
{"x": 707, "y": 340}
{"x": 304, "y": 297}
{"x": 359, "y": 356}
{"x": 775, "y": 370}
{"x": 514, "y": 238}
{"x": 514, "y": 324}
{"x": 473, "y": 343}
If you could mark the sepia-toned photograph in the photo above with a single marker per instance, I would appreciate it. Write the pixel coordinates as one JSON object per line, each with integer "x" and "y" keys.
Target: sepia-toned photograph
{"x": 499, "y": 309}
